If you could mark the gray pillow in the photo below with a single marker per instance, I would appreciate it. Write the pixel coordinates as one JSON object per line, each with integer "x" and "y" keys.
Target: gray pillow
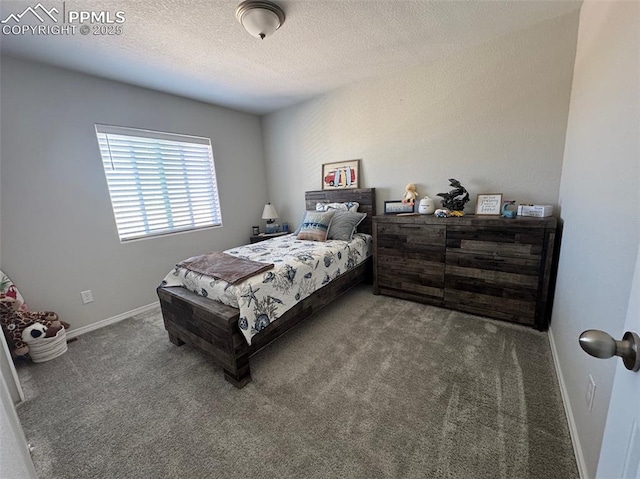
{"x": 344, "y": 224}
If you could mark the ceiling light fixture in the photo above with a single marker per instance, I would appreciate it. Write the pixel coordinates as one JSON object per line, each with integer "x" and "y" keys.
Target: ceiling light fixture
{"x": 260, "y": 18}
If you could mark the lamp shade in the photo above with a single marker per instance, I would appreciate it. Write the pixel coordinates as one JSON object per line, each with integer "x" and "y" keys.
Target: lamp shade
{"x": 269, "y": 212}
{"x": 260, "y": 18}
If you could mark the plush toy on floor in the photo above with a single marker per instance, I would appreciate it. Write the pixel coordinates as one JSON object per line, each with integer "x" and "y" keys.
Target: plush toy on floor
{"x": 14, "y": 322}
{"x": 15, "y": 319}
{"x": 35, "y": 331}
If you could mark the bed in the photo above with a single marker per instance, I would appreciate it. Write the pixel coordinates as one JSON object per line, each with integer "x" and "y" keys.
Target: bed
{"x": 214, "y": 327}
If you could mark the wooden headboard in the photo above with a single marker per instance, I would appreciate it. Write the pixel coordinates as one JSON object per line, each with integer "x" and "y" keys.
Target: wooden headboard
{"x": 365, "y": 196}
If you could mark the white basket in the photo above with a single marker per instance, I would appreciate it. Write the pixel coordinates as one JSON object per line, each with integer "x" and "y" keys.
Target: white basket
{"x": 46, "y": 349}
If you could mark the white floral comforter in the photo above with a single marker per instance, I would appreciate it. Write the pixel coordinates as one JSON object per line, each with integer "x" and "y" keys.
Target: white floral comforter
{"x": 301, "y": 267}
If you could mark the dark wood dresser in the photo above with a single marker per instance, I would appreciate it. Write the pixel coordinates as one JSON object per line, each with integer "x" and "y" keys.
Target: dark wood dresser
{"x": 492, "y": 266}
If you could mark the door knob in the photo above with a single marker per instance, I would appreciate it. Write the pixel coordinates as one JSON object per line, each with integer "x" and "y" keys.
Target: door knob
{"x": 600, "y": 345}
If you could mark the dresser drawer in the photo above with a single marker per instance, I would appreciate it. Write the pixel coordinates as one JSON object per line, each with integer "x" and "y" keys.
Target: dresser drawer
{"x": 528, "y": 265}
{"x": 411, "y": 240}
{"x": 494, "y": 272}
{"x": 409, "y": 260}
{"x": 509, "y": 242}
{"x": 509, "y": 309}
{"x": 417, "y": 277}
{"x": 495, "y": 289}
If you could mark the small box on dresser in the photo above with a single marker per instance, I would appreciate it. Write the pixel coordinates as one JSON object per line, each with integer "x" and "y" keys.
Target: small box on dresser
{"x": 495, "y": 267}
{"x": 539, "y": 211}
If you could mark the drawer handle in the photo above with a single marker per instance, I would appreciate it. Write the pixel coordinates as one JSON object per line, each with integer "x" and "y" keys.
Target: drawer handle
{"x": 484, "y": 258}
{"x": 410, "y": 226}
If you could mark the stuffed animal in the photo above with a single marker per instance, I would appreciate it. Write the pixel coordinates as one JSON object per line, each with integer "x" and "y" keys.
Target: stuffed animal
{"x": 410, "y": 194}
{"x": 35, "y": 331}
{"x": 14, "y": 322}
{"x": 8, "y": 289}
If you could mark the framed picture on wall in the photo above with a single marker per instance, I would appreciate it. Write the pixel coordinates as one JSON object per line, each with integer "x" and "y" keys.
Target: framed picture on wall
{"x": 490, "y": 204}
{"x": 340, "y": 175}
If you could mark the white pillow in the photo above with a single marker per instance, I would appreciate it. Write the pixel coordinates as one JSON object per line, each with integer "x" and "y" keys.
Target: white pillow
{"x": 348, "y": 206}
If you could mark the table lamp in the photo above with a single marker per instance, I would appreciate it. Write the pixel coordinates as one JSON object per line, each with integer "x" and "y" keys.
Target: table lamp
{"x": 269, "y": 213}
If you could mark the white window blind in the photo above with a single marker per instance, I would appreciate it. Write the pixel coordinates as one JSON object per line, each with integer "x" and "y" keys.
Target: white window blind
{"x": 159, "y": 182}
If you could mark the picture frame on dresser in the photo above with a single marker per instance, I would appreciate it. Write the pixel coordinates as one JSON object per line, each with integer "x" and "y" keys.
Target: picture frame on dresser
{"x": 394, "y": 207}
{"x": 489, "y": 204}
{"x": 341, "y": 175}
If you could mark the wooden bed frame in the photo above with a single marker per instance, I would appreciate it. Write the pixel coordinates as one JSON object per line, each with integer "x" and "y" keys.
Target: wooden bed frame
{"x": 213, "y": 326}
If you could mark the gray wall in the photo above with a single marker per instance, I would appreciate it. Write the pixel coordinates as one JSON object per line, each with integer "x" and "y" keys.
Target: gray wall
{"x": 600, "y": 200}
{"x": 493, "y": 116}
{"x": 58, "y": 231}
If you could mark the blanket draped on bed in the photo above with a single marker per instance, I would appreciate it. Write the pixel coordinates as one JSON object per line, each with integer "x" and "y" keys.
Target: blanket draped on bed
{"x": 223, "y": 266}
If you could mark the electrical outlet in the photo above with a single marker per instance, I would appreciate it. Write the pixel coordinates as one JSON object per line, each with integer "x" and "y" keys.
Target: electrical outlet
{"x": 87, "y": 296}
{"x": 591, "y": 392}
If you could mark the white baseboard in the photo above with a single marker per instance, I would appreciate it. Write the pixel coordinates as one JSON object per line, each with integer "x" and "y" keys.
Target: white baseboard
{"x": 575, "y": 440}
{"x": 75, "y": 332}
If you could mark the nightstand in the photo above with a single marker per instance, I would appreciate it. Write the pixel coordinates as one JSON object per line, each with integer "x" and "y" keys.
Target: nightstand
{"x": 265, "y": 236}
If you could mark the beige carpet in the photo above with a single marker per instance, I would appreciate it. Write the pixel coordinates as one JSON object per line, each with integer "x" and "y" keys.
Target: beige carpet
{"x": 372, "y": 387}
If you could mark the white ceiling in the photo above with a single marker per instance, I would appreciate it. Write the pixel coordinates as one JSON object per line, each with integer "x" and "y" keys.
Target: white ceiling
{"x": 197, "y": 49}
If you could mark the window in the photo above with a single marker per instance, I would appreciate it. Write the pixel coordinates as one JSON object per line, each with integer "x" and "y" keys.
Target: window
{"x": 159, "y": 182}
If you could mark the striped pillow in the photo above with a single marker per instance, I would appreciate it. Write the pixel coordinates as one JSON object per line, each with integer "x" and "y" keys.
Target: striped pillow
{"x": 344, "y": 224}
{"x": 315, "y": 226}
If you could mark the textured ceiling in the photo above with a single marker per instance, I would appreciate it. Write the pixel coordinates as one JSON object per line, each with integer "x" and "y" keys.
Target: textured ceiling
{"x": 198, "y": 49}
